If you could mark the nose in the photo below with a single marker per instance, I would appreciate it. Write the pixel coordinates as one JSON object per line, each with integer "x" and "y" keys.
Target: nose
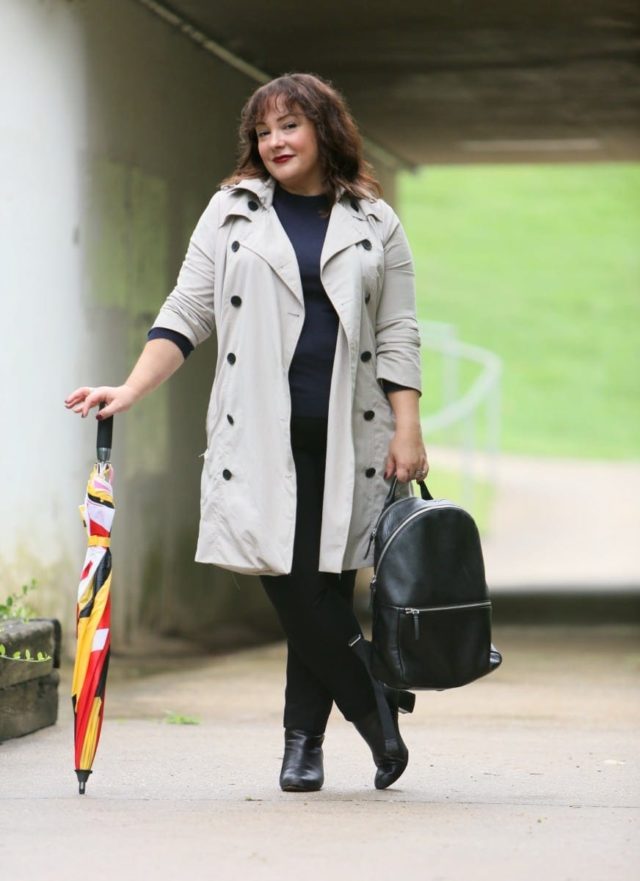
{"x": 275, "y": 139}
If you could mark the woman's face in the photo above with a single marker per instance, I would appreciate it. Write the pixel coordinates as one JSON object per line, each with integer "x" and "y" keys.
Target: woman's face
{"x": 288, "y": 147}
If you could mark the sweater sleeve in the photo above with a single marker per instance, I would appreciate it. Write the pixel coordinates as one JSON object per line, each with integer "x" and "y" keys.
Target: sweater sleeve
{"x": 395, "y": 387}
{"x": 181, "y": 341}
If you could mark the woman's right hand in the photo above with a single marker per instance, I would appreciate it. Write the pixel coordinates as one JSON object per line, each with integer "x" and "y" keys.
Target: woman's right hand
{"x": 117, "y": 398}
{"x": 159, "y": 359}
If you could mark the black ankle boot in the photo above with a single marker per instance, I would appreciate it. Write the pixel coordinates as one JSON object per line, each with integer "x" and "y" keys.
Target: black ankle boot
{"x": 302, "y": 766}
{"x": 390, "y": 755}
{"x": 380, "y": 727}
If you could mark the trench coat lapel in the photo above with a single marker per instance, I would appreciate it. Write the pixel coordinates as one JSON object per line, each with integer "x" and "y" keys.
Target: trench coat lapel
{"x": 268, "y": 240}
{"x": 345, "y": 229}
{"x": 266, "y": 236}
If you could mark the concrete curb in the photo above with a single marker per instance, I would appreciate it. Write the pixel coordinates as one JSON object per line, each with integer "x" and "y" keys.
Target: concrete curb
{"x": 28, "y": 688}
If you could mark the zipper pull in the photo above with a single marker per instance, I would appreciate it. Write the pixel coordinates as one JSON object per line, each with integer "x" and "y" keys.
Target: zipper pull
{"x": 372, "y": 535}
{"x": 416, "y": 621}
{"x": 372, "y": 594}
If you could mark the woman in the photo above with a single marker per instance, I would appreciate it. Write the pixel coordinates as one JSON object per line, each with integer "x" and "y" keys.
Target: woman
{"x": 307, "y": 277}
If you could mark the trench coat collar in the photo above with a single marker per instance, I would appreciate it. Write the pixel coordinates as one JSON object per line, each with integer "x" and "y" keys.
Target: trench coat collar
{"x": 347, "y": 226}
{"x": 263, "y": 190}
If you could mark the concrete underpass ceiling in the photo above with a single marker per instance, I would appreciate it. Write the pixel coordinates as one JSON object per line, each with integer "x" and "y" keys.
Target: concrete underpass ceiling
{"x": 457, "y": 81}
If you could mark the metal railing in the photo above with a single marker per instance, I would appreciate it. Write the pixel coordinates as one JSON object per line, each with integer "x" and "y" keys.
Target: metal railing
{"x": 468, "y": 420}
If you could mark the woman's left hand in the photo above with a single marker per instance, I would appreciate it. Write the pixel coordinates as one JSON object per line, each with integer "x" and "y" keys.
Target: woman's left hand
{"x": 407, "y": 457}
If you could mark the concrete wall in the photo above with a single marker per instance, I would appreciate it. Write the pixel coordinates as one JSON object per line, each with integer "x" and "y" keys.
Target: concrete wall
{"x": 115, "y": 133}
{"x": 43, "y": 137}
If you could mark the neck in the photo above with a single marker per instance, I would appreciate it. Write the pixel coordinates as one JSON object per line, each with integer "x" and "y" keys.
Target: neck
{"x": 309, "y": 190}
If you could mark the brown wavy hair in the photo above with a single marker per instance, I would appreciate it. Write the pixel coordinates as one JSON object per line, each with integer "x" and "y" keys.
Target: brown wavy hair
{"x": 339, "y": 141}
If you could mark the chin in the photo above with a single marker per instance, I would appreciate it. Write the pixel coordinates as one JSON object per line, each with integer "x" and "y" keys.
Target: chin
{"x": 282, "y": 175}
{"x": 291, "y": 183}
{"x": 286, "y": 172}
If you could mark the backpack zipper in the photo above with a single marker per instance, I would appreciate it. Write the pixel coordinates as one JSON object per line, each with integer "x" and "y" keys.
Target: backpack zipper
{"x": 416, "y": 612}
{"x": 372, "y": 535}
{"x": 372, "y": 593}
{"x": 374, "y": 531}
{"x": 411, "y": 517}
{"x": 416, "y": 621}
{"x": 411, "y": 611}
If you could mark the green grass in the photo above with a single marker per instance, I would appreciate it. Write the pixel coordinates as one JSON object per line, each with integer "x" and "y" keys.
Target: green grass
{"x": 540, "y": 264}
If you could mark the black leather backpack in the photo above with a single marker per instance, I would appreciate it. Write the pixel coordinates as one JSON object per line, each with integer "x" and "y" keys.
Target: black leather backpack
{"x": 431, "y": 611}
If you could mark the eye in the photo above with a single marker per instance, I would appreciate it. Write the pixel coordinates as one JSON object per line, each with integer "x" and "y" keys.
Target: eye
{"x": 261, "y": 133}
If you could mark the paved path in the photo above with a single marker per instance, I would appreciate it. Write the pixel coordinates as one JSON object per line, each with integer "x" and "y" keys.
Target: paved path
{"x": 561, "y": 522}
{"x": 529, "y": 774}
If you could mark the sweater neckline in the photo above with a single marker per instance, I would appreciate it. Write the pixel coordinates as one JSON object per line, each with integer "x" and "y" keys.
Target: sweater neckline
{"x": 296, "y": 199}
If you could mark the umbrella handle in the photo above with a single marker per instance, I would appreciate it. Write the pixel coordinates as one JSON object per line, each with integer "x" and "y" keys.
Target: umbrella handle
{"x": 105, "y": 437}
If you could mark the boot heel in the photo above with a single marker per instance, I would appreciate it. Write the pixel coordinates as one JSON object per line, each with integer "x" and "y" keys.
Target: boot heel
{"x": 406, "y": 702}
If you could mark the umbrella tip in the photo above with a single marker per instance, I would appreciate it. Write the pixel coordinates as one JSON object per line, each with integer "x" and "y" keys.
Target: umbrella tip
{"x": 82, "y": 776}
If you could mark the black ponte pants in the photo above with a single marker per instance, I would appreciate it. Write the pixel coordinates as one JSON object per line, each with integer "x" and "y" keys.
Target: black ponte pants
{"x": 316, "y": 608}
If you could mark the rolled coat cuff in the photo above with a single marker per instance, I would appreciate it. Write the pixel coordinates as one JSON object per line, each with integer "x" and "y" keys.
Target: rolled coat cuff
{"x": 168, "y": 318}
{"x": 398, "y": 357}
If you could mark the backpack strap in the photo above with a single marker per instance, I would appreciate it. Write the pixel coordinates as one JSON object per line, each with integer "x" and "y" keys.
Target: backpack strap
{"x": 363, "y": 649}
{"x": 391, "y": 495}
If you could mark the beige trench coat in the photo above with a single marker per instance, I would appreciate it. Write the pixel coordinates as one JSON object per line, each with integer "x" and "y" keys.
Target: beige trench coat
{"x": 240, "y": 276}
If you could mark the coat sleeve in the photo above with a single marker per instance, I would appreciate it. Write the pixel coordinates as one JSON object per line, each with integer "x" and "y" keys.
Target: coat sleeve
{"x": 397, "y": 336}
{"x": 188, "y": 309}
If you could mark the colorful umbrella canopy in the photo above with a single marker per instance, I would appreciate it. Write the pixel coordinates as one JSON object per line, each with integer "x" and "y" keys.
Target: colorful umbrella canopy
{"x": 93, "y": 628}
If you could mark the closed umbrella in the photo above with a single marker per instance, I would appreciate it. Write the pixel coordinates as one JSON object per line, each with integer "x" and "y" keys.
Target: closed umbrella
{"x": 93, "y": 618}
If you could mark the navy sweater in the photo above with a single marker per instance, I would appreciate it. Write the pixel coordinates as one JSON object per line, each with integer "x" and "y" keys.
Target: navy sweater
{"x": 310, "y": 371}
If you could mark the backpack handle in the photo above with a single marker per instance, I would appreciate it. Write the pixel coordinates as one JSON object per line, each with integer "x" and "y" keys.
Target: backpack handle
{"x": 391, "y": 495}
